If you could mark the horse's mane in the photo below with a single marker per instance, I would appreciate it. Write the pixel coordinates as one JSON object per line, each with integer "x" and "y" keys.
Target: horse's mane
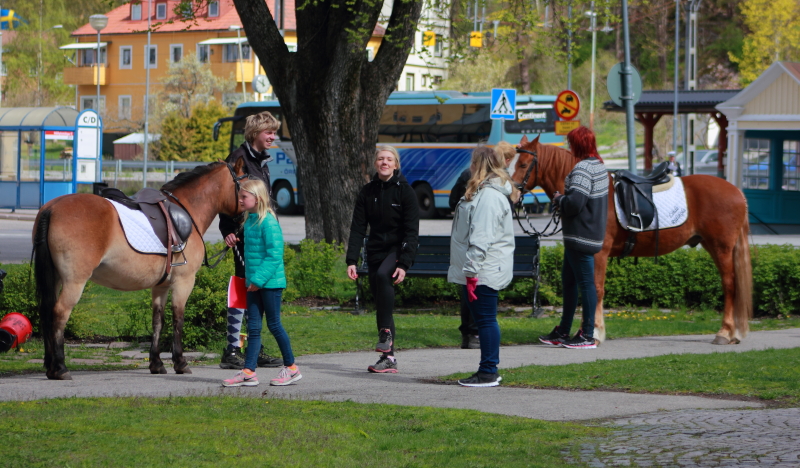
{"x": 560, "y": 160}
{"x": 186, "y": 178}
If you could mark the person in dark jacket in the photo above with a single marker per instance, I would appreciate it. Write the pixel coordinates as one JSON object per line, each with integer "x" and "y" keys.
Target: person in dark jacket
{"x": 468, "y": 327}
{"x": 584, "y": 210}
{"x": 388, "y": 207}
{"x": 259, "y": 134}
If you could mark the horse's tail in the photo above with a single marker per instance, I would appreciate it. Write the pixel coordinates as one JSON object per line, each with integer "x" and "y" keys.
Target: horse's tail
{"x": 743, "y": 277}
{"x": 45, "y": 272}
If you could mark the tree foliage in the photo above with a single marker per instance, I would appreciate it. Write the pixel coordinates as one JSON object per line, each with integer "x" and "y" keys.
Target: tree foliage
{"x": 188, "y": 83}
{"x": 190, "y": 139}
{"x": 774, "y": 36}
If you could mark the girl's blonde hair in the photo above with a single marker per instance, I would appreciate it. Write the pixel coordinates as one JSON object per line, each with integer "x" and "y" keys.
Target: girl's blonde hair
{"x": 506, "y": 150}
{"x": 258, "y": 188}
{"x": 390, "y": 149}
{"x": 486, "y": 163}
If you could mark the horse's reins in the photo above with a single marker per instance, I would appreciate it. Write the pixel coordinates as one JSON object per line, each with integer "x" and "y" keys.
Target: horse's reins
{"x": 221, "y": 254}
{"x": 534, "y": 167}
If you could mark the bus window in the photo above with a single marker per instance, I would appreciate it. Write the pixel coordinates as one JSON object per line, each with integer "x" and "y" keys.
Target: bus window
{"x": 533, "y": 118}
{"x": 434, "y": 123}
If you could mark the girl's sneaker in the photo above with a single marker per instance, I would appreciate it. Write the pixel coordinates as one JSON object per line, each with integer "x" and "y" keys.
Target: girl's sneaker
{"x": 243, "y": 378}
{"x": 286, "y": 376}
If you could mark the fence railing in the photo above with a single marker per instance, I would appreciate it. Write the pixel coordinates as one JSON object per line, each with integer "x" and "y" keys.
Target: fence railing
{"x": 126, "y": 173}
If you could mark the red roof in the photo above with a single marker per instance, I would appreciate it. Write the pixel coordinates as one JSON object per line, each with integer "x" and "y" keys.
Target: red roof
{"x": 119, "y": 19}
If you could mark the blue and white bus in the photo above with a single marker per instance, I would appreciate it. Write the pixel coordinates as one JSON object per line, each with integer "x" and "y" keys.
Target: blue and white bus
{"x": 435, "y": 133}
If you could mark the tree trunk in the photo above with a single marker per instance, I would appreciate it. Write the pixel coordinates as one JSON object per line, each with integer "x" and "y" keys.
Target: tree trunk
{"x": 332, "y": 96}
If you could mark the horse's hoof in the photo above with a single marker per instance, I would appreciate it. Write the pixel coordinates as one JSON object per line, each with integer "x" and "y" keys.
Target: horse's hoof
{"x": 721, "y": 340}
{"x": 735, "y": 341}
{"x": 183, "y": 370}
{"x": 158, "y": 370}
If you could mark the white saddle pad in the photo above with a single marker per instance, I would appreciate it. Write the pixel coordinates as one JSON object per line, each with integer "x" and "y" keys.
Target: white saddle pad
{"x": 138, "y": 231}
{"x": 671, "y": 206}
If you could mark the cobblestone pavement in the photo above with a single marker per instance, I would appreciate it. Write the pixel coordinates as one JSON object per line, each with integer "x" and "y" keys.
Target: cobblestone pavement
{"x": 701, "y": 438}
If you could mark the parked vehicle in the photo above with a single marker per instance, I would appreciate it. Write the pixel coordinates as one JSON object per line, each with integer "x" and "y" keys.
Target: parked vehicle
{"x": 705, "y": 162}
{"x": 435, "y": 133}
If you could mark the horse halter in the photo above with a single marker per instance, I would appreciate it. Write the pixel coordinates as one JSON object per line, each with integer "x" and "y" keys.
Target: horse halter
{"x": 534, "y": 163}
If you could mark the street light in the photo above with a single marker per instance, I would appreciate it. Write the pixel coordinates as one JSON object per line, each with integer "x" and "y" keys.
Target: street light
{"x": 241, "y": 62}
{"x": 98, "y": 22}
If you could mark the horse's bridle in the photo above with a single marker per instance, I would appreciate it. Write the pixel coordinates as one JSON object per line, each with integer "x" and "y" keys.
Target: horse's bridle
{"x": 534, "y": 164}
{"x": 220, "y": 255}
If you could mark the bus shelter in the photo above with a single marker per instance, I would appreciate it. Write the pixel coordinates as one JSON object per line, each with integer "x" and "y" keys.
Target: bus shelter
{"x": 45, "y": 152}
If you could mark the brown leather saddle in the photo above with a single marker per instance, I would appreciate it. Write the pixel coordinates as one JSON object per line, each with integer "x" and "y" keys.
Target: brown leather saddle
{"x": 635, "y": 199}
{"x": 171, "y": 223}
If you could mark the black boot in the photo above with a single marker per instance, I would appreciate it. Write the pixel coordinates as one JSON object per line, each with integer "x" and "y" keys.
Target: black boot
{"x": 232, "y": 358}
{"x": 265, "y": 360}
{"x": 470, "y": 342}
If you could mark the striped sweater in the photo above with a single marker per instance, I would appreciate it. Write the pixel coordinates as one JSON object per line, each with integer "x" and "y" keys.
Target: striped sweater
{"x": 584, "y": 206}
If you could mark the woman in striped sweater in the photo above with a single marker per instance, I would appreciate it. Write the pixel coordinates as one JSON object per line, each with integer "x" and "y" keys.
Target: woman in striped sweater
{"x": 584, "y": 210}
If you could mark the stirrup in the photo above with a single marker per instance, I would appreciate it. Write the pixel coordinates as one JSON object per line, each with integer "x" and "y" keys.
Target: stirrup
{"x": 639, "y": 217}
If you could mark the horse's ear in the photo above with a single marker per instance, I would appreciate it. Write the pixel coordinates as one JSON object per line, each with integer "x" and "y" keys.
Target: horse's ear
{"x": 524, "y": 140}
{"x": 536, "y": 140}
{"x": 238, "y": 166}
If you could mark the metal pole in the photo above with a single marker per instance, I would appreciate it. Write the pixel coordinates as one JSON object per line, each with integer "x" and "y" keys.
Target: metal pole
{"x": 569, "y": 46}
{"x": 241, "y": 63}
{"x": 594, "y": 60}
{"x": 146, "y": 96}
{"x": 627, "y": 90}
{"x": 677, "y": 53}
{"x": 98, "y": 174}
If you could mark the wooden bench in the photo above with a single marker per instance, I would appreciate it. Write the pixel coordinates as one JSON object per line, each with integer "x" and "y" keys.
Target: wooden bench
{"x": 433, "y": 259}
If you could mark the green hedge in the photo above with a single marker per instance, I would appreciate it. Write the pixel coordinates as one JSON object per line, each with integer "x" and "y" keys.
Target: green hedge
{"x": 686, "y": 278}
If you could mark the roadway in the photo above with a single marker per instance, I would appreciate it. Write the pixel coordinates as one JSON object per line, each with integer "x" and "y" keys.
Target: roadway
{"x": 16, "y": 228}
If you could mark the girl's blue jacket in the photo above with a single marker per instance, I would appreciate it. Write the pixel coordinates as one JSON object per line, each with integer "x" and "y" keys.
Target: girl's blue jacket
{"x": 263, "y": 252}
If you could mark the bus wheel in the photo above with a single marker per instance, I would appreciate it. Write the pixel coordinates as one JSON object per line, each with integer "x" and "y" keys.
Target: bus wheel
{"x": 427, "y": 207}
{"x": 284, "y": 197}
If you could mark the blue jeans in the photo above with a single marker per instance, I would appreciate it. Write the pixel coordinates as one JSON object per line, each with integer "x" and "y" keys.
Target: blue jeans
{"x": 484, "y": 311}
{"x": 268, "y": 303}
{"x": 577, "y": 273}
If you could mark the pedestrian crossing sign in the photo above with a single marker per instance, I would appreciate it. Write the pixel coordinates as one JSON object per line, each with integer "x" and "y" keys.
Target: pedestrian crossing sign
{"x": 504, "y": 104}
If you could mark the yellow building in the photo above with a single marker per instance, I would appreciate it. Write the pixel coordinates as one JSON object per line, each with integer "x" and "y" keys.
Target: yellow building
{"x": 124, "y": 57}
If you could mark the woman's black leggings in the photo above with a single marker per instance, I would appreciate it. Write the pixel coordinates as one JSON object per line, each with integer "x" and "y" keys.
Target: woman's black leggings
{"x": 382, "y": 287}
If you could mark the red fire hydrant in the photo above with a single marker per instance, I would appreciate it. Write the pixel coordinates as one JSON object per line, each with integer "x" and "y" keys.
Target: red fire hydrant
{"x": 15, "y": 329}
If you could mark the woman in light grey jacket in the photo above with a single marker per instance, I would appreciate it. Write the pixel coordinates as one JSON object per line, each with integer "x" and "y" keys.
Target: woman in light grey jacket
{"x": 482, "y": 254}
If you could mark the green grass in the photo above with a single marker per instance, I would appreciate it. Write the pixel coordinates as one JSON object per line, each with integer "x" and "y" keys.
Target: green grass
{"x": 209, "y": 431}
{"x": 768, "y": 375}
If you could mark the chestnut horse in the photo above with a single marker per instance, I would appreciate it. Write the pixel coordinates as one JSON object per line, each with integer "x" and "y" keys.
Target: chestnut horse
{"x": 78, "y": 238}
{"x": 718, "y": 221}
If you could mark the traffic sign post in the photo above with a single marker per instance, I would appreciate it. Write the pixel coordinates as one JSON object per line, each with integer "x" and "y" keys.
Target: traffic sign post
{"x": 614, "y": 83}
{"x": 567, "y": 105}
{"x": 504, "y": 104}
{"x": 565, "y": 126}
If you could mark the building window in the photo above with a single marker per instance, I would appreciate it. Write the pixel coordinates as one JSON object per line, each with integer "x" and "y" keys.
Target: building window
{"x": 213, "y": 9}
{"x": 175, "y": 53}
{"x": 791, "y": 165}
{"x": 90, "y": 54}
{"x": 161, "y": 11}
{"x": 125, "y": 57}
{"x": 136, "y": 11}
{"x": 151, "y": 57}
{"x": 439, "y": 46}
{"x": 755, "y": 164}
{"x": 124, "y": 110}
{"x": 409, "y": 82}
{"x": 88, "y": 102}
{"x": 232, "y": 52}
{"x": 203, "y": 53}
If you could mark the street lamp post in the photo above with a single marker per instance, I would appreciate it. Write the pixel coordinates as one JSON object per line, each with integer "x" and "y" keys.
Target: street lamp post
{"x": 238, "y": 30}
{"x": 594, "y": 54}
{"x": 98, "y": 22}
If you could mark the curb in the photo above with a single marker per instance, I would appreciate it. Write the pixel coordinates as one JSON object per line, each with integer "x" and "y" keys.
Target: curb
{"x": 18, "y": 217}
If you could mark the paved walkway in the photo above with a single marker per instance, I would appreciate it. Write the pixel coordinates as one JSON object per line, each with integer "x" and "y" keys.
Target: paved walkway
{"x": 649, "y": 430}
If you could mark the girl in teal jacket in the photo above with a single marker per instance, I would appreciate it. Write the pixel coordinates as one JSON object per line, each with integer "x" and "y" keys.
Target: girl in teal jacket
{"x": 265, "y": 279}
